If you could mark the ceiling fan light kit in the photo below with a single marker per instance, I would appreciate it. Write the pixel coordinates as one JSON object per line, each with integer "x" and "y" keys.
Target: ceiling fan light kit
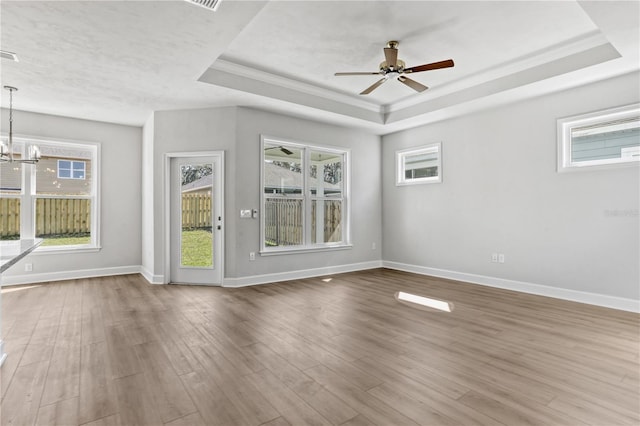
{"x": 394, "y": 67}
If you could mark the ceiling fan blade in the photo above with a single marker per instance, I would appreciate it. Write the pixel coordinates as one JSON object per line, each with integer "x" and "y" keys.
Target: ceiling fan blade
{"x": 418, "y": 87}
{"x": 434, "y": 66}
{"x": 391, "y": 56}
{"x": 356, "y": 73}
{"x": 373, "y": 86}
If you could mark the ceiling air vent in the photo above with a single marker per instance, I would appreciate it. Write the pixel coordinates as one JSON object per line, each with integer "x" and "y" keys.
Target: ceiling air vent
{"x": 8, "y": 55}
{"x": 208, "y": 4}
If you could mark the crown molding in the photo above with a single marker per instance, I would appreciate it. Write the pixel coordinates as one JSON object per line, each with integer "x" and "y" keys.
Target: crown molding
{"x": 547, "y": 55}
{"x": 240, "y": 70}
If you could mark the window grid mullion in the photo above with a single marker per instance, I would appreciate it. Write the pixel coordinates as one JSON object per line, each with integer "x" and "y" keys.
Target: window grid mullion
{"x": 306, "y": 222}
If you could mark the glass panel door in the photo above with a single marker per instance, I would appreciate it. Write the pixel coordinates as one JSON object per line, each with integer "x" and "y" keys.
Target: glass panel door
{"x": 196, "y": 236}
{"x": 195, "y": 210}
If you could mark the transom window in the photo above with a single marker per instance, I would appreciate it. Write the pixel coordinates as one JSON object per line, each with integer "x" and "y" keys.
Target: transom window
{"x": 419, "y": 165}
{"x": 606, "y": 138}
{"x": 304, "y": 196}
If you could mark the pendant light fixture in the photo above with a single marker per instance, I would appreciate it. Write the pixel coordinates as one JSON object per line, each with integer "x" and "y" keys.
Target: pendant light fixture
{"x": 6, "y": 148}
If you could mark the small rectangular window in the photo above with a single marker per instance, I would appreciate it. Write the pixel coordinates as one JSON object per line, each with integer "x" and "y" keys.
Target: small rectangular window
{"x": 419, "y": 165}
{"x": 604, "y": 138}
{"x": 68, "y": 169}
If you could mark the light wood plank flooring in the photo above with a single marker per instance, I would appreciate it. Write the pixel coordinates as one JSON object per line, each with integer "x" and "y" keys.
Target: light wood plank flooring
{"x": 118, "y": 351}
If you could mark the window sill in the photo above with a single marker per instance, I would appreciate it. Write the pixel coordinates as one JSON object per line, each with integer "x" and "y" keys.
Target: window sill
{"x": 418, "y": 182}
{"x": 65, "y": 250}
{"x": 602, "y": 166}
{"x": 289, "y": 250}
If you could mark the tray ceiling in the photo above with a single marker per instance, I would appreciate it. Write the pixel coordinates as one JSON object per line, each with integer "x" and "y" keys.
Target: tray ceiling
{"x": 119, "y": 61}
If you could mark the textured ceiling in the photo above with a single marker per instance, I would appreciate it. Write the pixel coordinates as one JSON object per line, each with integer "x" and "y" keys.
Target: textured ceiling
{"x": 118, "y": 61}
{"x": 310, "y": 41}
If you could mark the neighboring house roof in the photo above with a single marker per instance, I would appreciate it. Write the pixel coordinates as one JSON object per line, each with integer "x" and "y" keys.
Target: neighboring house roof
{"x": 204, "y": 183}
{"x": 280, "y": 177}
{"x": 274, "y": 177}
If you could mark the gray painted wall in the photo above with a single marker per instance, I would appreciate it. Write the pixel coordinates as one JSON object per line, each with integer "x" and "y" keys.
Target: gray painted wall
{"x": 237, "y": 132}
{"x": 501, "y": 193}
{"x": 120, "y": 215}
{"x": 210, "y": 129}
{"x": 366, "y": 198}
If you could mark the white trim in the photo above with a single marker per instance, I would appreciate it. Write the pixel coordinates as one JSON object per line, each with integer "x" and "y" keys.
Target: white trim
{"x": 166, "y": 194}
{"x": 296, "y": 275}
{"x": 29, "y": 195}
{"x": 306, "y": 197}
{"x": 288, "y": 83}
{"x": 306, "y": 249}
{"x": 151, "y": 279}
{"x": 401, "y": 155}
{"x": 509, "y": 68}
{"x": 3, "y": 354}
{"x": 79, "y": 248}
{"x": 69, "y": 275}
{"x": 566, "y": 124}
{"x": 604, "y": 300}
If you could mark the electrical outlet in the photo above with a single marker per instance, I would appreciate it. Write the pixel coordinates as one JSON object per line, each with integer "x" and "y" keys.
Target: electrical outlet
{"x": 494, "y": 257}
{"x": 28, "y": 267}
{"x": 373, "y": 246}
{"x": 501, "y": 258}
{"x": 252, "y": 255}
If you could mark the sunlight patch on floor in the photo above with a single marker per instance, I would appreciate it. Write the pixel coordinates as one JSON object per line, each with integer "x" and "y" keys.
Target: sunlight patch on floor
{"x": 4, "y": 290}
{"x": 424, "y": 301}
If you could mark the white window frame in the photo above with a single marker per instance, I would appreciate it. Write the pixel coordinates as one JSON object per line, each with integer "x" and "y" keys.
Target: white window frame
{"x": 28, "y": 197}
{"x": 307, "y": 198}
{"x": 567, "y": 124}
{"x": 73, "y": 163}
{"x": 401, "y": 155}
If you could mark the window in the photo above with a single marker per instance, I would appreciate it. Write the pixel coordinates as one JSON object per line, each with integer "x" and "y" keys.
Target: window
{"x": 601, "y": 139}
{"x": 419, "y": 165}
{"x": 68, "y": 169}
{"x": 304, "y": 197}
{"x": 55, "y": 199}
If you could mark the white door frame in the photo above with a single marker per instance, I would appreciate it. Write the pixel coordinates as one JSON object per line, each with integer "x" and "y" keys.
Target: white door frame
{"x": 167, "y": 206}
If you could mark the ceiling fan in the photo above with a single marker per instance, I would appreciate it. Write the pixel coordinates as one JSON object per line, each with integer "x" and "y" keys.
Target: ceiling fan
{"x": 392, "y": 67}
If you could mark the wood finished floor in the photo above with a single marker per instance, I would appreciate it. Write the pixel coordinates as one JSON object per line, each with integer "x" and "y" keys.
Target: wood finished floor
{"x": 118, "y": 351}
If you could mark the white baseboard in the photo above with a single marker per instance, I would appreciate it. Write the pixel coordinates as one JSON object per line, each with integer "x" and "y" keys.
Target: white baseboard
{"x": 68, "y": 275}
{"x": 604, "y": 300}
{"x": 296, "y": 275}
{"x": 3, "y": 354}
{"x": 152, "y": 279}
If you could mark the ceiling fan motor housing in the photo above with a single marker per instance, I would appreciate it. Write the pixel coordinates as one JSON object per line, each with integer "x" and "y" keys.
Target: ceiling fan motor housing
{"x": 385, "y": 68}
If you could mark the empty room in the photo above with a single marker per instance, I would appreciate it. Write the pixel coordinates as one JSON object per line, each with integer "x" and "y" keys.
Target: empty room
{"x": 272, "y": 213}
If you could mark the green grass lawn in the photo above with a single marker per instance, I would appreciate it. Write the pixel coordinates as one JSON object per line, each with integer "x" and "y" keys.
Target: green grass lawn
{"x": 197, "y": 248}
{"x": 66, "y": 241}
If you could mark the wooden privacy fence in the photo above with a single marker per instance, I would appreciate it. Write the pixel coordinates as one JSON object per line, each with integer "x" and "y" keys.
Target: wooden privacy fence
{"x": 54, "y": 216}
{"x": 196, "y": 211}
{"x": 10, "y": 217}
{"x": 283, "y": 221}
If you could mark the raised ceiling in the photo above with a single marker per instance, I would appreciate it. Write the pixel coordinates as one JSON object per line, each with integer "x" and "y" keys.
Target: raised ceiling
{"x": 118, "y": 61}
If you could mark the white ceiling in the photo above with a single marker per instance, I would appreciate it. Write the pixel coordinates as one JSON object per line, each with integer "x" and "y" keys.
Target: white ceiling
{"x": 118, "y": 61}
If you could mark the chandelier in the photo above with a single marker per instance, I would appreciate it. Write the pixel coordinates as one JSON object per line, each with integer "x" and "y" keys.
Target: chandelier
{"x": 6, "y": 148}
